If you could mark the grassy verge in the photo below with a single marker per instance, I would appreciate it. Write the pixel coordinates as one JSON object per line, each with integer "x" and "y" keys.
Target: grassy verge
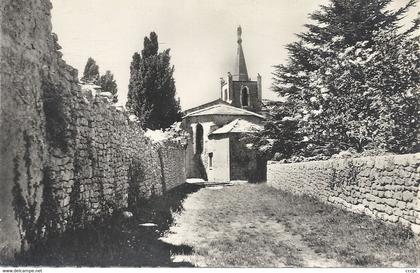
{"x": 255, "y": 225}
{"x": 354, "y": 239}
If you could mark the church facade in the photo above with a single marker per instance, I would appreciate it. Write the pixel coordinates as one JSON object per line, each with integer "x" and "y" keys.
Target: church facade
{"x": 214, "y": 150}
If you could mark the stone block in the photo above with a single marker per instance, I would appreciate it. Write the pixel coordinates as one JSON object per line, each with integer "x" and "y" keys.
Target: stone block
{"x": 370, "y": 162}
{"x": 380, "y": 164}
{"x": 358, "y": 208}
{"x": 407, "y": 196}
{"x": 364, "y": 173}
{"x": 365, "y": 202}
{"x": 401, "y": 205}
{"x": 66, "y": 201}
{"x": 397, "y": 195}
{"x": 388, "y": 194}
{"x": 389, "y": 210}
{"x": 391, "y": 202}
{"x": 397, "y": 212}
{"x": 381, "y": 215}
{"x": 401, "y": 161}
{"x": 404, "y": 222}
{"x": 380, "y": 207}
{"x": 415, "y": 228}
{"x": 368, "y": 212}
{"x": 391, "y": 218}
{"x": 411, "y": 219}
{"x": 409, "y": 206}
{"x": 416, "y": 204}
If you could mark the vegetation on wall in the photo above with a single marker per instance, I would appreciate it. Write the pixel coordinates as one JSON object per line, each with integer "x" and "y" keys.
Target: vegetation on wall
{"x": 91, "y": 71}
{"x": 36, "y": 221}
{"x": 135, "y": 178}
{"x": 49, "y": 218}
{"x": 346, "y": 176}
{"x": 106, "y": 82}
{"x": 57, "y": 121}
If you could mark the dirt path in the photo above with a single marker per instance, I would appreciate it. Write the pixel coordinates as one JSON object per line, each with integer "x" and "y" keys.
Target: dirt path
{"x": 232, "y": 226}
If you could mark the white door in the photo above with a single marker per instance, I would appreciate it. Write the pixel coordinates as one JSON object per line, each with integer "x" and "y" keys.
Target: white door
{"x": 218, "y": 164}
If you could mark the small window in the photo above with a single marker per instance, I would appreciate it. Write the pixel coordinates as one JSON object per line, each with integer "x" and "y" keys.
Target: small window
{"x": 226, "y": 95}
{"x": 210, "y": 160}
{"x": 245, "y": 96}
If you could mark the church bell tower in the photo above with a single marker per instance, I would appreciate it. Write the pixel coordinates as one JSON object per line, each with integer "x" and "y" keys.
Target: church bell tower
{"x": 238, "y": 89}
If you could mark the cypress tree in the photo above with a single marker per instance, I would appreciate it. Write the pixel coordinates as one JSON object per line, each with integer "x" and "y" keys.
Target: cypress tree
{"x": 151, "y": 91}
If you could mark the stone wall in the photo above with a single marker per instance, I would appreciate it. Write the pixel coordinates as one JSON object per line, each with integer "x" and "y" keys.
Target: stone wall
{"x": 29, "y": 58}
{"x": 66, "y": 157}
{"x": 108, "y": 163}
{"x": 384, "y": 187}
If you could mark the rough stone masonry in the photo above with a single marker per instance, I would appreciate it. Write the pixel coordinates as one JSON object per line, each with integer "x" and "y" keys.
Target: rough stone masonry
{"x": 66, "y": 156}
{"x": 384, "y": 187}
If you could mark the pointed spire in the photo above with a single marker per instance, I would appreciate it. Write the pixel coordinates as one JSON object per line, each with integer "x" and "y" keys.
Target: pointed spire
{"x": 241, "y": 73}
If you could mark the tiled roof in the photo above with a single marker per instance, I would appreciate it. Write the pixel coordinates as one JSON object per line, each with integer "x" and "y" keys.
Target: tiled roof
{"x": 238, "y": 126}
{"x": 202, "y": 106}
{"x": 223, "y": 109}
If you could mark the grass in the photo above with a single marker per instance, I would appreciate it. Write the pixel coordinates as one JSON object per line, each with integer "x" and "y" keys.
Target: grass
{"x": 254, "y": 225}
{"x": 248, "y": 225}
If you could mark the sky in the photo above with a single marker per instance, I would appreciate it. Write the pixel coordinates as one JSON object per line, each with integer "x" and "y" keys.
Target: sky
{"x": 201, "y": 36}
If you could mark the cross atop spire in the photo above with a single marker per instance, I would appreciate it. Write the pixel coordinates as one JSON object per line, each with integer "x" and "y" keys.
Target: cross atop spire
{"x": 241, "y": 73}
{"x": 239, "y": 31}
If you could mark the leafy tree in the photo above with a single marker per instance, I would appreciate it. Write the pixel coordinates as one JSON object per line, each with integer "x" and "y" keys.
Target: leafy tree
{"x": 281, "y": 137}
{"x": 108, "y": 84}
{"x": 91, "y": 72}
{"x": 352, "y": 78}
{"x": 151, "y": 90}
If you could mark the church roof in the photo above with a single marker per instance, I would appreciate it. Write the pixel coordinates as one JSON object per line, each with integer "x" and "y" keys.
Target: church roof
{"x": 205, "y": 105}
{"x": 238, "y": 126}
{"x": 222, "y": 109}
{"x": 241, "y": 72}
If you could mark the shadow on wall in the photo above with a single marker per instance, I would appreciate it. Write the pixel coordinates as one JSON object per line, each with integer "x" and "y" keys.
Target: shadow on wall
{"x": 117, "y": 241}
{"x": 260, "y": 174}
{"x": 199, "y": 169}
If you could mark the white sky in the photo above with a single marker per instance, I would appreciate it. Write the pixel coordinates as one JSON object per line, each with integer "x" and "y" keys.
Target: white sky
{"x": 201, "y": 35}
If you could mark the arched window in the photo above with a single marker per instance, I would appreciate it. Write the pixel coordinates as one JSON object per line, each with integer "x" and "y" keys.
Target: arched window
{"x": 245, "y": 96}
{"x": 199, "y": 139}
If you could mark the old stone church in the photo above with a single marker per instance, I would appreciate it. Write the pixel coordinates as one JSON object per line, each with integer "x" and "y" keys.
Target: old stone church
{"x": 214, "y": 152}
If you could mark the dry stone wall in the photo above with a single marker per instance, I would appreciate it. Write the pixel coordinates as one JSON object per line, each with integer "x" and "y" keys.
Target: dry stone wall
{"x": 384, "y": 187}
{"x": 66, "y": 157}
{"x": 108, "y": 163}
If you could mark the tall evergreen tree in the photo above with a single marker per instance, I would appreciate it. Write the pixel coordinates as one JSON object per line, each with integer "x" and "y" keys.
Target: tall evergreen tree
{"x": 352, "y": 77}
{"x": 151, "y": 90}
{"x": 91, "y": 72}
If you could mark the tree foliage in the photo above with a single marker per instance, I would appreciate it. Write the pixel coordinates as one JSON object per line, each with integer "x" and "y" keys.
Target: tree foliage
{"x": 91, "y": 72}
{"x": 151, "y": 91}
{"x": 108, "y": 84}
{"x": 281, "y": 137}
{"x": 352, "y": 78}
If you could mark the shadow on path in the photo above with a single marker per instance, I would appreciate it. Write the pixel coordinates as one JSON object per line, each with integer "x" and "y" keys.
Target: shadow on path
{"x": 118, "y": 241}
